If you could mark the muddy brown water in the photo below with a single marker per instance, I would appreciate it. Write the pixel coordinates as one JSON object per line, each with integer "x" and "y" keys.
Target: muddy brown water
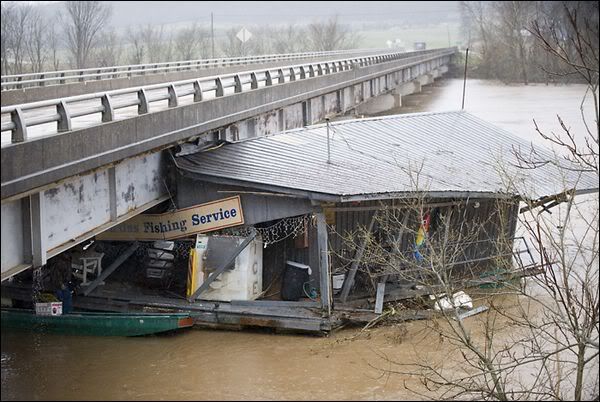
{"x": 225, "y": 365}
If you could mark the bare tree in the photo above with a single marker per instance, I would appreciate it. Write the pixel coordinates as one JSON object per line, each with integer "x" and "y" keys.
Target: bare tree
{"x": 545, "y": 346}
{"x": 6, "y": 39}
{"x": 232, "y": 46}
{"x": 108, "y": 53}
{"x": 191, "y": 43}
{"x": 137, "y": 55}
{"x": 84, "y": 21}
{"x": 149, "y": 44}
{"x": 17, "y": 29}
{"x": 154, "y": 40}
{"x": 515, "y": 17}
{"x": 331, "y": 35}
{"x": 291, "y": 39}
{"x": 54, "y": 43}
{"x": 36, "y": 44}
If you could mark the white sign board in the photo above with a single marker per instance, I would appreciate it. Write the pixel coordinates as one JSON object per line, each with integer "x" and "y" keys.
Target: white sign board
{"x": 244, "y": 35}
{"x": 201, "y": 218}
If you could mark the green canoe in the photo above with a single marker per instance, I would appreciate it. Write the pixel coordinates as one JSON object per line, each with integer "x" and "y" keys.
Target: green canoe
{"x": 97, "y": 324}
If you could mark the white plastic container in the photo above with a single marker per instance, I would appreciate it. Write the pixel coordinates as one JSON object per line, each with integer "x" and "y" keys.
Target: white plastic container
{"x": 244, "y": 281}
{"x": 459, "y": 300}
{"x": 337, "y": 282}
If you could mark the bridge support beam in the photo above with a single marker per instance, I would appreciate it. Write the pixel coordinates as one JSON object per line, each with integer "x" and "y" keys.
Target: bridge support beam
{"x": 380, "y": 104}
{"x": 44, "y": 224}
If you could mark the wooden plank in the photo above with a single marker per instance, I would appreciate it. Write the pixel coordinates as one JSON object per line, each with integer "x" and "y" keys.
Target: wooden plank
{"x": 349, "y": 280}
{"x": 379, "y": 299}
{"x": 116, "y": 264}
{"x": 223, "y": 267}
{"x": 274, "y": 303}
{"x": 473, "y": 312}
{"x": 15, "y": 270}
{"x": 325, "y": 278}
{"x": 390, "y": 207}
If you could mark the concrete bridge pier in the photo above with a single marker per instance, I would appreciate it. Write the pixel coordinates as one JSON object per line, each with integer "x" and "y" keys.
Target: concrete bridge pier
{"x": 392, "y": 98}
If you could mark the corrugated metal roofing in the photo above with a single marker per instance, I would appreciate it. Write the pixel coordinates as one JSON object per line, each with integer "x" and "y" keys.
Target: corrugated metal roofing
{"x": 445, "y": 153}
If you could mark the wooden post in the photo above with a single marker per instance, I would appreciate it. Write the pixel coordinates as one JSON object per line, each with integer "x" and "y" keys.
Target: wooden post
{"x": 116, "y": 264}
{"x": 379, "y": 299}
{"x": 349, "y": 280}
{"x": 324, "y": 263}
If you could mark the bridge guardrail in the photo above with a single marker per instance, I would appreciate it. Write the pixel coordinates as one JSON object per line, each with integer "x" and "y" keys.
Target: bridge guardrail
{"x": 41, "y": 79}
{"x": 62, "y": 111}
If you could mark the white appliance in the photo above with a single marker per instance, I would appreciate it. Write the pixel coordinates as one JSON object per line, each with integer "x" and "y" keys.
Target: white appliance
{"x": 243, "y": 281}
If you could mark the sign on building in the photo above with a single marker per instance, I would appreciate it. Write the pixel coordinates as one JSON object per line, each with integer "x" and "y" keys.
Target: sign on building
{"x": 201, "y": 218}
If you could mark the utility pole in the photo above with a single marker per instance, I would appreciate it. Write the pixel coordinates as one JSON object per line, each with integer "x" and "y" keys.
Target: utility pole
{"x": 465, "y": 79}
{"x": 212, "y": 34}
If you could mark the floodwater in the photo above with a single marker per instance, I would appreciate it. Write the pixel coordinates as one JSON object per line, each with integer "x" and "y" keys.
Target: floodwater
{"x": 223, "y": 365}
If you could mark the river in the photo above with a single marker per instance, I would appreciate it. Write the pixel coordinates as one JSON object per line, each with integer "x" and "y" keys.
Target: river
{"x": 224, "y": 365}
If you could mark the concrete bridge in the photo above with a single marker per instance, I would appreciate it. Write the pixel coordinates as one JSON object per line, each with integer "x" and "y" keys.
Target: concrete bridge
{"x": 74, "y": 166}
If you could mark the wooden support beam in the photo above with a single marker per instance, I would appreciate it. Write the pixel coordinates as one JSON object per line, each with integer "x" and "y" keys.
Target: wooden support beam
{"x": 116, "y": 264}
{"x": 349, "y": 280}
{"x": 325, "y": 278}
{"x": 554, "y": 199}
{"x": 379, "y": 299}
{"x": 223, "y": 267}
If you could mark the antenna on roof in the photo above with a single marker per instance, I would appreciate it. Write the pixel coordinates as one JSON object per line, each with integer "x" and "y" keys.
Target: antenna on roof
{"x": 328, "y": 149}
{"x": 465, "y": 79}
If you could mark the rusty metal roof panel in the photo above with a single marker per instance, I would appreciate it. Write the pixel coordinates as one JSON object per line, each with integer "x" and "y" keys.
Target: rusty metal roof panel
{"x": 450, "y": 152}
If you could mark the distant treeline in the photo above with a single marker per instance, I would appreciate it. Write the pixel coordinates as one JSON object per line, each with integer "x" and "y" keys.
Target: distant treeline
{"x": 81, "y": 36}
{"x": 513, "y": 41}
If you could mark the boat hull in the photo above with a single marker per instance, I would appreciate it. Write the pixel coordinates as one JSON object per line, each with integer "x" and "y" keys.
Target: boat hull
{"x": 95, "y": 324}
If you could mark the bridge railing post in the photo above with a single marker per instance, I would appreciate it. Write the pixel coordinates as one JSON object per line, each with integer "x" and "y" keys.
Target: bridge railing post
{"x": 197, "y": 91}
{"x": 19, "y": 131}
{"x": 254, "y": 81}
{"x": 108, "y": 114}
{"x": 238, "y": 83}
{"x": 173, "y": 101}
{"x": 42, "y": 83}
{"x": 219, "y": 91}
{"x": 268, "y": 78}
{"x": 281, "y": 78}
{"x": 62, "y": 78}
{"x": 143, "y": 105}
{"x": 64, "y": 120}
{"x": 302, "y": 72}
{"x": 292, "y": 74}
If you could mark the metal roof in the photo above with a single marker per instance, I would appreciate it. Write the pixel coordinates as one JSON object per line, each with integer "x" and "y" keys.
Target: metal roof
{"x": 448, "y": 154}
